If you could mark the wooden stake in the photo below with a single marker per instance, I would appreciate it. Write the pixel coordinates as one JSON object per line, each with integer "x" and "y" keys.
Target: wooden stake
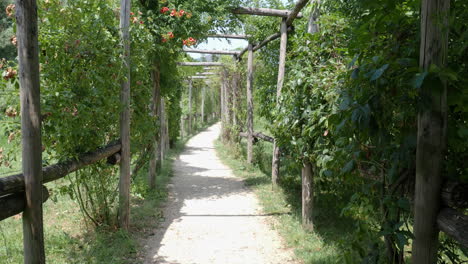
{"x": 155, "y": 156}
{"x": 432, "y": 131}
{"x": 124, "y": 184}
{"x": 28, "y": 55}
{"x": 275, "y": 164}
{"x": 203, "y": 105}
{"x": 307, "y": 196}
{"x": 250, "y": 105}
{"x": 190, "y": 107}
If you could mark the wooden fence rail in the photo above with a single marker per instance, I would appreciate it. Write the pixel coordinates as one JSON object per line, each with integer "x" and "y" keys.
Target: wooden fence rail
{"x": 15, "y": 183}
{"x": 13, "y": 204}
{"x": 257, "y": 136}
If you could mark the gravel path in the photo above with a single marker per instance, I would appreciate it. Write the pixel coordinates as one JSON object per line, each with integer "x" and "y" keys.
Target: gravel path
{"x": 211, "y": 217}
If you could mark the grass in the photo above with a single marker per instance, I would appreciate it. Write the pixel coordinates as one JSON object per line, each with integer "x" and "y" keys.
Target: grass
{"x": 331, "y": 229}
{"x": 70, "y": 239}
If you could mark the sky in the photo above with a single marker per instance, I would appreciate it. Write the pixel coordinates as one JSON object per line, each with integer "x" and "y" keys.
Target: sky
{"x": 219, "y": 44}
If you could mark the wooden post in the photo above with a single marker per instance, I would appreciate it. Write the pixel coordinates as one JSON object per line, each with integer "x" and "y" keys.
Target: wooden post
{"x": 162, "y": 131}
{"x": 221, "y": 113}
{"x": 182, "y": 123}
{"x": 153, "y": 166}
{"x": 235, "y": 103}
{"x": 203, "y": 105}
{"x": 307, "y": 195}
{"x": 28, "y": 55}
{"x": 432, "y": 131}
{"x": 124, "y": 184}
{"x": 250, "y": 105}
{"x": 275, "y": 164}
{"x": 190, "y": 107}
{"x": 226, "y": 102}
{"x": 312, "y": 25}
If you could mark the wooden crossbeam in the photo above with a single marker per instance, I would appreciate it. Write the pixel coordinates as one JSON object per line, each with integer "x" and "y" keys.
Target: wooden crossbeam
{"x": 216, "y": 52}
{"x": 207, "y": 64}
{"x": 262, "y": 12}
{"x": 229, "y": 36}
{"x": 206, "y": 73}
{"x": 198, "y": 77}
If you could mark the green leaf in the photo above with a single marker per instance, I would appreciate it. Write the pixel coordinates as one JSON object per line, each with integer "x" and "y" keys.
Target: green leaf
{"x": 419, "y": 79}
{"x": 379, "y": 72}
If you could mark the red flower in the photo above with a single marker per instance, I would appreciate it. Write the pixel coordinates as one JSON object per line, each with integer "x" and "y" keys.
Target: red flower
{"x": 184, "y": 42}
{"x": 181, "y": 13}
{"x": 170, "y": 34}
{"x": 134, "y": 19}
{"x": 164, "y": 40}
{"x": 164, "y": 10}
{"x": 132, "y": 14}
{"x": 173, "y": 12}
{"x": 141, "y": 22}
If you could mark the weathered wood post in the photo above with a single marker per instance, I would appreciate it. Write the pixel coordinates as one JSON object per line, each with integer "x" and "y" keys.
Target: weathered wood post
{"x": 28, "y": 55}
{"x": 432, "y": 131}
{"x": 162, "y": 131}
{"x": 155, "y": 155}
{"x": 250, "y": 104}
{"x": 235, "y": 99}
{"x": 275, "y": 164}
{"x": 222, "y": 106}
{"x": 190, "y": 84}
{"x": 124, "y": 184}
{"x": 182, "y": 122}
{"x": 307, "y": 195}
{"x": 203, "y": 104}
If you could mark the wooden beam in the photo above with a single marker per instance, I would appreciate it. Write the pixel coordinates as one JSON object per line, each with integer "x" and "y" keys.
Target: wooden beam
{"x": 263, "y": 43}
{"x": 124, "y": 183}
{"x": 215, "y": 52}
{"x": 229, "y": 36}
{"x": 28, "y": 62}
{"x": 250, "y": 105}
{"x": 196, "y": 64}
{"x": 454, "y": 224}
{"x": 207, "y": 73}
{"x": 432, "y": 131}
{"x": 454, "y": 195}
{"x": 15, "y": 203}
{"x": 16, "y": 183}
{"x": 197, "y": 77}
{"x": 257, "y": 136}
{"x": 262, "y": 12}
{"x": 295, "y": 13}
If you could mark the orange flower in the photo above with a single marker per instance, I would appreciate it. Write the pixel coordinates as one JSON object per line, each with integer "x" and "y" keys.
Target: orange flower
{"x": 10, "y": 9}
{"x": 173, "y": 12}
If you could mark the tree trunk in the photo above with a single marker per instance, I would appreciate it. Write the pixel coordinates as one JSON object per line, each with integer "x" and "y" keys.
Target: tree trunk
{"x": 250, "y": 105}
{"x": 124, "y": 184}
{"x": 153, "y": 166}
{"x": 432, "y": 132}
{"x": 28, "y": 55}
{"x": 275, "y": 164}
{"x": 307, "y": 196}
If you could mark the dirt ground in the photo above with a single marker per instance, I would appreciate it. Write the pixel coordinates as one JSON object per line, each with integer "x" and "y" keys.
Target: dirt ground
{"x": 211, "y": 216}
